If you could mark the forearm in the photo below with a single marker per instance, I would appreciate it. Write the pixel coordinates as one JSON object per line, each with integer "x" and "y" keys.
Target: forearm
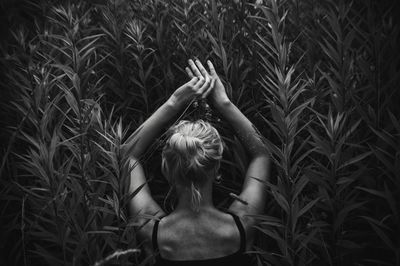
{"x": 151, "y": 129}
{"x": 245, "y": 130}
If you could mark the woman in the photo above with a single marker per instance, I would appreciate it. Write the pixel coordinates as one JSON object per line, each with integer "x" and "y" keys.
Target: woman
{"x": 196, "y": 233}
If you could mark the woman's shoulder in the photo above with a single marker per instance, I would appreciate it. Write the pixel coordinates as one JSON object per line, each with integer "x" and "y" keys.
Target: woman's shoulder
{"x": 220, "y": 222}
{"x": 211, "y": 234}
{"x": 215, "y": 221}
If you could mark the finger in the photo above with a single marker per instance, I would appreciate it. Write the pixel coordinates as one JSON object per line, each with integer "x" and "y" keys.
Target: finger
{"x": 210, "y": 87}
{"x": 199, "y": 65}
{"x": 211, "y": 67}
{"x": 204, "y": 87}
{"x": 198, "y": 84}
{"x": 189, "y": 72}
{"x": 193, "y": 81}
{"x": 194, "y": 68}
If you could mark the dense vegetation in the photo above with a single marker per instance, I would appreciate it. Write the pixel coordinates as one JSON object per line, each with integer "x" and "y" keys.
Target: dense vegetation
{"x": 320, "y": 80}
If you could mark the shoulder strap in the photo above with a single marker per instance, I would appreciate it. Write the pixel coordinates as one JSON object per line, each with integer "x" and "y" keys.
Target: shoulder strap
{"x": 242, "y": 232}
{"x": 154, "y": 235}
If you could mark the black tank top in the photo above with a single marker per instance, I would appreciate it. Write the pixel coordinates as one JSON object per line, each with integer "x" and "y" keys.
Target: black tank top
{"x": 237, "y": 258}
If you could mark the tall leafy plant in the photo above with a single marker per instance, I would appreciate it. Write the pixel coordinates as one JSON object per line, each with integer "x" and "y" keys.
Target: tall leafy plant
{"x": 285, "y": 95}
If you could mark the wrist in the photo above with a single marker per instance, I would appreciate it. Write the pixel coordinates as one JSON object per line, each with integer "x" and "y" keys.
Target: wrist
{"x": 173, "y": 103}
{"x": 223, "y": 104}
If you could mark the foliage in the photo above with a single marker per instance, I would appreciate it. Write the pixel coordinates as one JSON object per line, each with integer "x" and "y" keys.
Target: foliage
{"x": 318, "y": 78}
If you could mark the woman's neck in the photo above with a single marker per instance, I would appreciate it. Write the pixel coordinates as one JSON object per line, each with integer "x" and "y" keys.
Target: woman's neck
{"x": 185, "y": 198}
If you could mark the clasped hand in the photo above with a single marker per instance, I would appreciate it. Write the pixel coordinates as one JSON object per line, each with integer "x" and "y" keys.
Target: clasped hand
{"x": 202, "y": 84}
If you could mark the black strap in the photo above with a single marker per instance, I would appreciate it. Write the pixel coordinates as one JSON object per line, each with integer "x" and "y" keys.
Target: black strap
{"x": 242, "y": 232}
{"x": 154, "y": 235}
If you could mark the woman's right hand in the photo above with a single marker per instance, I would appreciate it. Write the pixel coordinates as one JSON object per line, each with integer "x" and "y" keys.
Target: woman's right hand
{"x": 217, "y": 93}
{"x": 192, "y": 89}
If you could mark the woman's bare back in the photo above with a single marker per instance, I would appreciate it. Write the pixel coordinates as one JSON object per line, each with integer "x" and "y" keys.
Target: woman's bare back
{"x": 209, "y": 234}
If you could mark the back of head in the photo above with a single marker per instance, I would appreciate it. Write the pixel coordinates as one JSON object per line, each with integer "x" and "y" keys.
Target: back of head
{"x": 191, "y": 156}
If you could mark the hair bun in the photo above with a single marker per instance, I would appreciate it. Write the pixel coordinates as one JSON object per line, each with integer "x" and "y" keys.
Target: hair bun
{"x": 186, "y": 145}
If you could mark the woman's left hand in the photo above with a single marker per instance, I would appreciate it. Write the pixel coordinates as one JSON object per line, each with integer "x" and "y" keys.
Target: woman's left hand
{"x": 196, "y": 87}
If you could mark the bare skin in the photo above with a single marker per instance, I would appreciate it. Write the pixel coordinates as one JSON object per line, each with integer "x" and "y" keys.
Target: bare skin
{"x": 209, "y": 233}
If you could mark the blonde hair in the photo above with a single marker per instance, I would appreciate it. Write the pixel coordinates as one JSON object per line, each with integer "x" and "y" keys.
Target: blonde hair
{"x": 192, "y": 151}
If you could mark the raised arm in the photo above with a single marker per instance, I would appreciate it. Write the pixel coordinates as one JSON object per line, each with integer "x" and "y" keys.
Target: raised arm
{"x": 253, "y": 192}
{"x": 137, "y": 144}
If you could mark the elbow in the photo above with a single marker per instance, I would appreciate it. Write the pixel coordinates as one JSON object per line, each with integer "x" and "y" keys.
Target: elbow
{"x": 133, "y": 161}
{"x": 264, "y": 157}
{"x": 262, "y": 152}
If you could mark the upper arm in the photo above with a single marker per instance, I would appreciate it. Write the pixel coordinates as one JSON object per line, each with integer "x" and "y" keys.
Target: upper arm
{"x": 254, "y": 190}
{"x": 142, "y": 202}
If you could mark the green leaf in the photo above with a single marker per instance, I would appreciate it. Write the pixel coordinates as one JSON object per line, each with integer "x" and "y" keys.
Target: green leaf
{"x": 307, "y": 207}
{"x": 280, "y": 199}
{"x": 355, "y": 159}
{"x": 385, "y": 238}
{"x": 343, "y": 213}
